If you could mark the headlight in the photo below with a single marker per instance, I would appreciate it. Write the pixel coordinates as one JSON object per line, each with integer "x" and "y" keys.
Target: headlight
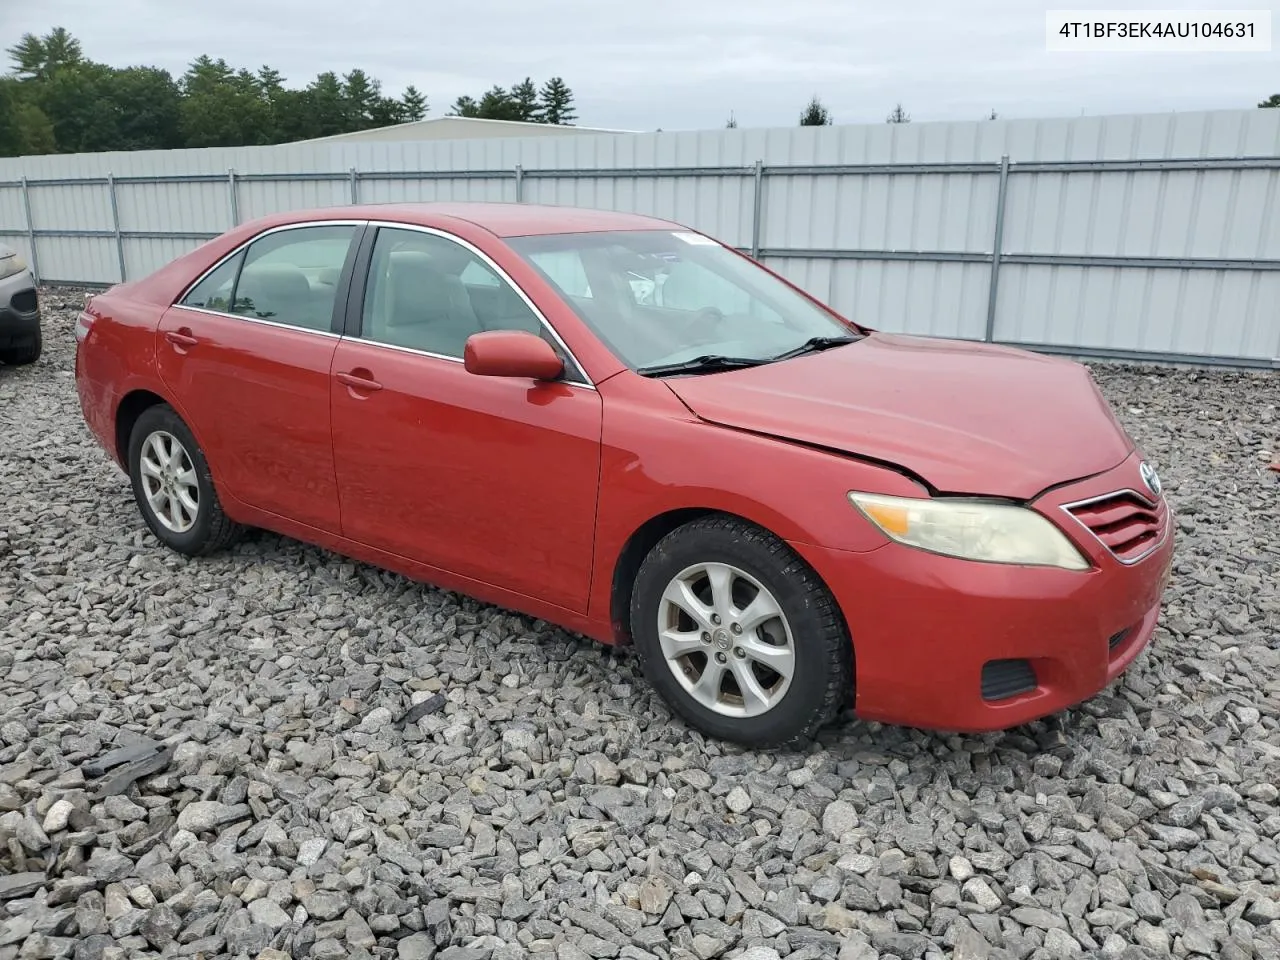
{"x": 971, "y": 529}
{"x": 11, "y": 265}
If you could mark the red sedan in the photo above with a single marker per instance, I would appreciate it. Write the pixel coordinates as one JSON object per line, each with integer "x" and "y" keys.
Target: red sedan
{"x": 626, "y": 428}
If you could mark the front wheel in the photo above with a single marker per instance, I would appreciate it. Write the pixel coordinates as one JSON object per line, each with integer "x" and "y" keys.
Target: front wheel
{"x": 173, "y": 486}
{"x": 739, "y": 635}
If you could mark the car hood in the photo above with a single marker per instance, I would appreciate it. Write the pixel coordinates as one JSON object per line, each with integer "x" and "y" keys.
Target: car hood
{"x": 965, "y": 417}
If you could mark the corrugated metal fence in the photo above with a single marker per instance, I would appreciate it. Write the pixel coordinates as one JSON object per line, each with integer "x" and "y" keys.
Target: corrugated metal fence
{"x": 1154, "y": 236}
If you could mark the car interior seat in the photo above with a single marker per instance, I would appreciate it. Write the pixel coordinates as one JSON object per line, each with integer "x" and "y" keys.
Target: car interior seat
{"x": 278, "y": 292}
{"x": 426, "y": 308}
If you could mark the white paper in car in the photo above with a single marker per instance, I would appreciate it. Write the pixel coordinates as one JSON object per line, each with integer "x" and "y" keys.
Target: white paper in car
{"x": 695, "y": 238}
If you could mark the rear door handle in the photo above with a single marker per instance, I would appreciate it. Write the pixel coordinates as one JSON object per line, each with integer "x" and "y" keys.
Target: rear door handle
{"x": 357, "y": 381}
{"x": 180, "y": 338}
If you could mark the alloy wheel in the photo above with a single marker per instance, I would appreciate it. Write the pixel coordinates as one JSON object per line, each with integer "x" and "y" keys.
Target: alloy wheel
{"x": 726, "y": 640}
{"x": 169, "y": 481}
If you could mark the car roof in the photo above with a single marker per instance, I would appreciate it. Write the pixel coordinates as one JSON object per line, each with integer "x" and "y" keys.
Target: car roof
{"x": 501, "y": 219}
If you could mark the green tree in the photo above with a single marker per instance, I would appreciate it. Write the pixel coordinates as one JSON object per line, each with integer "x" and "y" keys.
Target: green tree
{"x": 364, "y": 99}
{"x": 11, "y": 142}
{"x": 292, "y": 116}
{"x": 148, "y": 108}
{"x": 898, "y": 115}
{"x": 525, "y": 96}
{"x": 815, "y": 114}
{"x": 223, "y": 108}
{"x": 386, "y": 112}
{"x": 35, "y": 129}
{"x": 1271, "y": 101}
{"x": 557, "y": 102}
{"x": 465, "y": 106}
{"x": 36, "y": 58}
{"x": 271, "y": 88}
{"x": 270, "y": 80}
{"x": 77, "y": 99}
{"x": 497, "y": 104}
{"x": 59, "y": 100}
{"x": 413, "y": 104}
{"x": 326, "y": 104}
{"x": 24, "y": 129}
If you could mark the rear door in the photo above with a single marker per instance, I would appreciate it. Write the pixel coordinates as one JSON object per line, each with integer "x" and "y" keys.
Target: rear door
{"x": 247, "y": 353}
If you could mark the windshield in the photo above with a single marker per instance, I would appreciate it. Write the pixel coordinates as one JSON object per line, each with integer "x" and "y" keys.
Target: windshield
{"x": 658, "y": 297}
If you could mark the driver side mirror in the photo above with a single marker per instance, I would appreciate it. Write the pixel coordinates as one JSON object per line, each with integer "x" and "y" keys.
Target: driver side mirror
{"x": 511, "y": 353}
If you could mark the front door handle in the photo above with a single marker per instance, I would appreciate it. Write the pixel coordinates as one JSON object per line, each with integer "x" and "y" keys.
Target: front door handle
{"x": 359, "y": 379}
{"x": 181, "y": 339}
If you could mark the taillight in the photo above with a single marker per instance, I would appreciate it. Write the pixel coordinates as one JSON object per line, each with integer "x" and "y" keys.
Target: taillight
{"x": 84, "y": 323}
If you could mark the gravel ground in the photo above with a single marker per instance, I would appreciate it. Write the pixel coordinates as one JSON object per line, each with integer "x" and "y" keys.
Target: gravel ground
{"x": 552, "y": 806}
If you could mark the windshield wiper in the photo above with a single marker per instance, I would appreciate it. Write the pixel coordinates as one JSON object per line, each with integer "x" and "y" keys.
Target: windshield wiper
{"x": 707, "y": 363}
{"x": 814, "y": 344}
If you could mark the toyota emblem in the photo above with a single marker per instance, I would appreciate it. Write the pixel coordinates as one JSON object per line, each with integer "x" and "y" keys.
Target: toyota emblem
{"x": 1150, "y": 477}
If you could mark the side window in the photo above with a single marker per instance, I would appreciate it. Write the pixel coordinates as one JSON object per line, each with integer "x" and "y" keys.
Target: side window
{"x": 214, "y": 291}
{"x": 429, "y": 293}
{"x": 292, "y": 276}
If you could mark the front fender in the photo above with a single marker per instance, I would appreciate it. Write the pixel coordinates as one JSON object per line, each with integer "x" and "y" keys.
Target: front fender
{"x": 656, "y": 461}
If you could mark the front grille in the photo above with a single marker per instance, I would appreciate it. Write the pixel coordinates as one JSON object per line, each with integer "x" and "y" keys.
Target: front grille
{"x": 1117, "y": 638}
{"x": 24, "y": 301}
{"x": 1002, "y": 679}
{"x": 1127, "y": 524}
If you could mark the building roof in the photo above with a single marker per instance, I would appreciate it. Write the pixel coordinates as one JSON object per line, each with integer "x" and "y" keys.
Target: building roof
{"x": 462, "y": 128}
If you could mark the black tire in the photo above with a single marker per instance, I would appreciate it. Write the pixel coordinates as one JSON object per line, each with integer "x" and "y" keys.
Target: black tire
{"x": 212, "y": 530}
{"x": 29, "y": 352}
{"x": 822, "y": 680}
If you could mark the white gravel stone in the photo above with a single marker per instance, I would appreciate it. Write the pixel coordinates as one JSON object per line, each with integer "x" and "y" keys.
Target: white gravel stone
{"x": 839, "y": 818}
{"x": 202, "y": 816}
{"x": 979, "y": 891}
{"x": 310, "y": 851}
{"x": 738, "y": 800}
{"x": 268, "y": 913}
{"x": 56, "y": 818}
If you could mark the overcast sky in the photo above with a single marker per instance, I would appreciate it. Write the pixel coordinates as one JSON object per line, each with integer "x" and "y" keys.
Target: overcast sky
{"x": 680, "y": 64}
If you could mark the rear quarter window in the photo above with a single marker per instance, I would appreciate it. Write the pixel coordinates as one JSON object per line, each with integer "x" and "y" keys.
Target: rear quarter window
{"x": 214, "y": 291}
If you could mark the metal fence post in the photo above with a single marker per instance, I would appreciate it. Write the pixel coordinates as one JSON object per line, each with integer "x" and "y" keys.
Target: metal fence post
{"x": 232, "y": 198}
{"x": 115, "y": 224}
{"x": 519, "y": 184}
{"x": 757, "y": 209}
{"x": 31, "y": 230}
{"x": 355, "y": 191}
{"x": 996, "y": 249}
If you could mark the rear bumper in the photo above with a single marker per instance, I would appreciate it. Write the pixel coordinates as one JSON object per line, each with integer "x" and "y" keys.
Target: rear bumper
{"x": 931, "y": 632}
{"x": 19, "y": 310}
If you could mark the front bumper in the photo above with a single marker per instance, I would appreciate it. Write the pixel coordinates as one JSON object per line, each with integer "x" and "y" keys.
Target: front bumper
{"x": 929, "y": 632}
{"x": 19, "y": 310}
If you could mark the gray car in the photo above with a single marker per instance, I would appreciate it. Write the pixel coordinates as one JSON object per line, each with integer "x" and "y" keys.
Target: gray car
{"x": 20, "y": 339}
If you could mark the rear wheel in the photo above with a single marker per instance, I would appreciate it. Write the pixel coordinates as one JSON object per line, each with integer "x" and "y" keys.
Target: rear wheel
{"x": 173, "y": 487}
{"x": 28, "y": 352}
{"x": 739, "y": 634}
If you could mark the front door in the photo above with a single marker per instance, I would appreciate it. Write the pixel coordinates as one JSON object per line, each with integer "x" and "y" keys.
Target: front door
{"x": 490, "y": 478}
{"x": 248, "y": 354}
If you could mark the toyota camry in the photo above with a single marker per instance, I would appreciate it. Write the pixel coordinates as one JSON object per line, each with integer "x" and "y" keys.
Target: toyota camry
{"x": 627, "y": 428}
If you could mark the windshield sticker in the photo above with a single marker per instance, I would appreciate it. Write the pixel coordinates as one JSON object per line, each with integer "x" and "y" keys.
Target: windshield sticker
{"x": 696, "y": 239}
